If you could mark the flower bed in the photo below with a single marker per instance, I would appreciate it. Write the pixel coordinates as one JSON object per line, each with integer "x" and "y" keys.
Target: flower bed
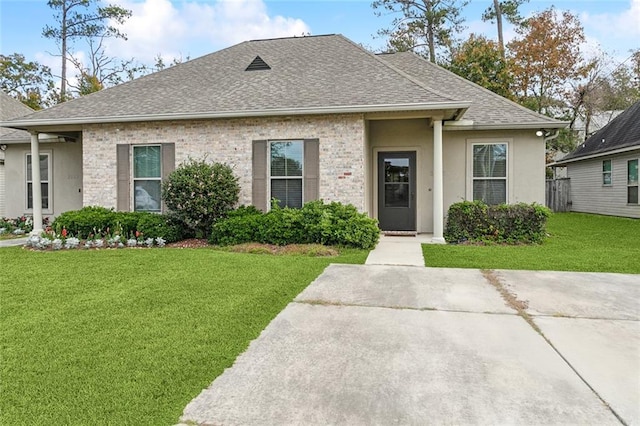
{"x": 52, "y": 241}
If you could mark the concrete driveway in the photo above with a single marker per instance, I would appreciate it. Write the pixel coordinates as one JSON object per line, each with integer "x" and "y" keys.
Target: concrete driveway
{"x": 365, "y": 345}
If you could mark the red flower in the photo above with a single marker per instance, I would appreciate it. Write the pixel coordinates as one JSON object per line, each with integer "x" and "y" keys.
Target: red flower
{"x": 64, "y": 232}
{"x": 137, "y": 234}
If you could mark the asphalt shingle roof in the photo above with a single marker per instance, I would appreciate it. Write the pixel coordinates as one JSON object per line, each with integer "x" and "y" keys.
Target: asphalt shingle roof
{"x": 11, "y": 108}
{"x": 306, "y": 72}
{"x": 622, "y": 132}
{"x": 318, "y": 72}
{"x": 487, "y": 109}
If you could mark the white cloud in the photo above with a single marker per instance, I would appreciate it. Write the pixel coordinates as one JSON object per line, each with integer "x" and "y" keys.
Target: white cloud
{"x": 196, "y": 28}
{"x": 619, "y": 32}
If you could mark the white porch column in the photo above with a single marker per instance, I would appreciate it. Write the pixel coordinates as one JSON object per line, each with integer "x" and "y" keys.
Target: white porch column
{"x": 438, "y": 184}
{"x": 36, "y": 185}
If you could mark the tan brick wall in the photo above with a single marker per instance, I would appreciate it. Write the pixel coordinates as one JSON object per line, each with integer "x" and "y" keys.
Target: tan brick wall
{"x": 342, "y": 144}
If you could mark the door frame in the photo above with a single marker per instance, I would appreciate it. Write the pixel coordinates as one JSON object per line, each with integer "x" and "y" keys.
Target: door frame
{"x": 375, "y": 187}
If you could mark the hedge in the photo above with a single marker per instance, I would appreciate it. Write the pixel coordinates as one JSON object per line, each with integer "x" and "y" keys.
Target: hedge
{"x": 96, "y": 220}
{"x": 504, "y": 223}
{"x": 315, "y": 223}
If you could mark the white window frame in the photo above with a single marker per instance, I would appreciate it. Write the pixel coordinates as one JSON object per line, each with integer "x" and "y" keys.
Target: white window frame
{"x": 610, "y": 173}
{"x": 270, "y": 177}
{"x": 508, "y": 172}
{"x": 48, "y": 181}
{"x": 637, "y": 183}
{"x": 134, "y": 179}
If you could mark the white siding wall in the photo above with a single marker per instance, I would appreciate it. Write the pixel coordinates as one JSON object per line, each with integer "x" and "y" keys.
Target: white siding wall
{"x": 588, "y": 195}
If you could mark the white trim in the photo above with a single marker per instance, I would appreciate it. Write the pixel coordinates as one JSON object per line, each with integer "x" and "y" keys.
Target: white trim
{"x": 509, "y": 166}
{"x": 610, "y": 172}
{"x": 49, "y": 181}
{"x": 637, "y": 183}
{"x": 506, "y": 126}
{"x": 25, "y": 124}
{"x": 133, "y": 179}
{"x": 269, "y": 177}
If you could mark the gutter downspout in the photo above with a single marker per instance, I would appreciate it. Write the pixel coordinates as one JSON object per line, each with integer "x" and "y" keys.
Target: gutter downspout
{"x": 550, "y": 138}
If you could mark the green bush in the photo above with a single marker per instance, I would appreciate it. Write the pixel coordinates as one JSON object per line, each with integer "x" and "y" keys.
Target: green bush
{"x": 505, "y": 223}
{"x": 314, "y": 223}
{"x": 100, "y": 221}
{"x": 199, "y": 193}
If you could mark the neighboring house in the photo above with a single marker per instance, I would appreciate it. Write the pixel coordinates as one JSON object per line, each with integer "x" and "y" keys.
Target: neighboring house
{"x": 9, "y": 108}
{"x": 300, "y": 119}
{"x": 596, "y": 122}
{"x": 604, "y": 169}
{"x": 60, "y": 173}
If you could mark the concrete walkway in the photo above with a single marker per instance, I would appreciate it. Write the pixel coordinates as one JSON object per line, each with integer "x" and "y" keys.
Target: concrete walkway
{"x": 404, "y": 251}
{"x": 13, "y": 242}
{"x": 379, "y": 345}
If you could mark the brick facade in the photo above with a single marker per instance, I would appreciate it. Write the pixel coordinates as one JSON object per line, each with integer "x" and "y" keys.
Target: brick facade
{"x": 342, "y": 146}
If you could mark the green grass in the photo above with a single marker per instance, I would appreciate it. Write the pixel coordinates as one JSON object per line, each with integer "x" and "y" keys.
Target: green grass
{"x": 131, "y": 336}
{"x": 576, "y": 242}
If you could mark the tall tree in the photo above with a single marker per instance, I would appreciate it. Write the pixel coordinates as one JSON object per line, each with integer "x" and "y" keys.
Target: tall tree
{"x": 81, "y": 19}
{"x": 422, "y": 23}
{"x": 544, "y": 57}
{"x": 622, "y": 88}
{"x": 29, "y": 82}
{"x": 99, "y": 70}
{"x": 503, "y": 9}
{"x": 478, "y": 59}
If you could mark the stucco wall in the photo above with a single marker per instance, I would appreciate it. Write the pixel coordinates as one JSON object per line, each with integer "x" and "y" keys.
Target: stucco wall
{"x": 526, "y": 162}
{"x": 342, "y": 144}
{"x": 66, "y": 182}
{"x": 589, "y": 195}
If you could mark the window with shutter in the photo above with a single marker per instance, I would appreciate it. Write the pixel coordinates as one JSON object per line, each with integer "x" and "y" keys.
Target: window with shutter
{"x": 286, "y": 170}
{"x": 140, "y": 171}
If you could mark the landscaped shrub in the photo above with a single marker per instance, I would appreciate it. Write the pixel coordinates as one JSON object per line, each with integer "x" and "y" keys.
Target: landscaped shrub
{"x": 102, "y": 222}
{"x": 314, "y": 223}
{"x": 505, "y": 223}
{"x": 199, "y": 193}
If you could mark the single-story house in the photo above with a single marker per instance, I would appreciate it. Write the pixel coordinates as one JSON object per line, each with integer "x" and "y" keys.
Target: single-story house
{"x": 604, "y": 169}
{"x": 10, "y": 108}
{"x": 298, "y": 119}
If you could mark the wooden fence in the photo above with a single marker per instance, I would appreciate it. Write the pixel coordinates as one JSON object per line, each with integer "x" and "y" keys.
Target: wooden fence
{"x": 558, "y": 194}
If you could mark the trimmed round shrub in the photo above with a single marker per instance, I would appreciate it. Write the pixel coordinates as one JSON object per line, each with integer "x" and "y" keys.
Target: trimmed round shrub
{"x": 315, "y": 223}
{"x": 199, "y": 193}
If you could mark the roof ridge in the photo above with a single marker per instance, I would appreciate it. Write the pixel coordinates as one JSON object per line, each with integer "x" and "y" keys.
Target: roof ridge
{"x": 471, "y": 83}
{"x": 288, "y": 37}
{"x": 400, "y": 72}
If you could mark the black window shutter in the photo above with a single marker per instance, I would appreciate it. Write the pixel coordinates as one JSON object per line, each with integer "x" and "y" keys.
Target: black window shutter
{"x": 123, "y": 170}
{"x": 168, "y": 164}
{"x": 311, "y": 169}
{"x": 259, "y": 175}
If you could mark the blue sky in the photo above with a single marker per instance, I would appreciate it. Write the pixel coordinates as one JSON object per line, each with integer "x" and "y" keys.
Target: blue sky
{"x": 181, "y": 28}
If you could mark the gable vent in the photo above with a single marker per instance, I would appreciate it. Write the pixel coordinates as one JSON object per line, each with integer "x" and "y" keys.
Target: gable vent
{"x": 258, "y": 64}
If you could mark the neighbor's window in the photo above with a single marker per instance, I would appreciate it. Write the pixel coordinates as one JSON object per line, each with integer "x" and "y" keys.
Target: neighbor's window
{"x": 285, "y": 172}
{"x": 632, "y": 181}
{"x": 147, "y": 178}
{"x": 606, "y": 172}
{"x": 490, "y": 173}
{"x": 45, "y": 167}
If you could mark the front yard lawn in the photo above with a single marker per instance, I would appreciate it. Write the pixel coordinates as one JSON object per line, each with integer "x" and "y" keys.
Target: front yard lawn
{"x": 576, "y": 242}
{"x": 131, "y": 336}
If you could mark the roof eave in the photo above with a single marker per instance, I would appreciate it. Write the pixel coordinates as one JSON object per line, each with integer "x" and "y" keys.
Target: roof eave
{"x": 432, "y": 106}
{"x": 509, "y": 126}
{"x": 562, "y": 163}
